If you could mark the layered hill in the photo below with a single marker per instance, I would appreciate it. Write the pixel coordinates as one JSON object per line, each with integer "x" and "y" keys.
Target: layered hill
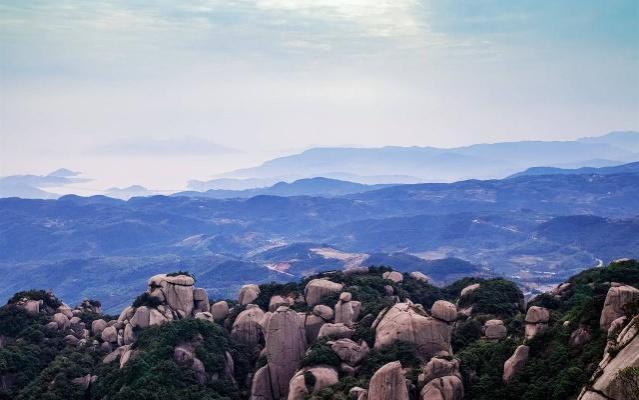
{"x": 536, "y": 230}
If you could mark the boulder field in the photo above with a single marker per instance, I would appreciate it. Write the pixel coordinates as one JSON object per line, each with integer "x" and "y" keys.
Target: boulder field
{"x": 369, "y": 334}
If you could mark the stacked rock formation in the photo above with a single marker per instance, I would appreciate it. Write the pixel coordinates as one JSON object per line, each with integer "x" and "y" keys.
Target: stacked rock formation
{"x": 536, "y": 321}
{"x": 407, "y": 322}
{"x": 346, "y": 309}
{"x": 285, "y": 345}
{"x": 617, "y": 297}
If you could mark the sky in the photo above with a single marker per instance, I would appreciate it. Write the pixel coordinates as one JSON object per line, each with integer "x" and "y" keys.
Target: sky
{"x": 160, "y": 92}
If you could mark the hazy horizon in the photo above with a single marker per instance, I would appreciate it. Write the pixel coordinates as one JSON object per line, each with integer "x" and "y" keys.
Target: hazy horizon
{"x": 157, "y": 93}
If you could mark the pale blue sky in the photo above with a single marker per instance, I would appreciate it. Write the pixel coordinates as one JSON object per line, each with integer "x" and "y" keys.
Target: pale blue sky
{"x": 272, "y": 76}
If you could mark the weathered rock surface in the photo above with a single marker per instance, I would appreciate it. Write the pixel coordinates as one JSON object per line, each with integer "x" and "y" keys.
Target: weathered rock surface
{"x": 141, "y": 317}
{"x": 324, "y": 312}
{"x": 494, "y": 329}
{"x": 324, "y": 376}
{"x": 349, "y": 351}
{"x": 444, "y": 388}
{"x": 347, "y": 310}
{"x": 388, "y": 383}
{"x": 335, "y": 331}
{"x": 469, "y": 289}
{"x": 444, "y": 310}
{"x": 420, "y": 276}
{"x": 606, "y": 381}
{"x": 317, "y": 288}
{"x": 536, "y": 321}
{"x": 175, "y": 291}
{"x": 406, "y": 323}
{"x": 616, "y": 299}
{"x": 437, "y": 368}
{"x": 516, "y": 362}
{"x": 394, "y": 276}
{"x": 285, "y": 346}
{"x": 110, "y": 334}
{"x": 579, "y": 337}
{"x": 220, "y": 310}
{"x": 97, "y": 326}
{"x": 247, "y": 328}
{"x": 248, "y": 294}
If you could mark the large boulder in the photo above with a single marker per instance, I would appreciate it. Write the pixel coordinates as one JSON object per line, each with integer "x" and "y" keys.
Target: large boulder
{"x": 347, "y": 310}
{"x": 324, "y": 376}
{"x": 318, "y": 288}
{"x": 62, "y": 321}
{"x": 141, "y": 317}
{"x": 536, "y": 321}
{"x": 609, "y": 381}
{"x": 444, "y": 310}
{"x": 516, "y": 362}
{"x": 220, "y": 310}
{"x": 616, "y": 299}
{"x": 335, "y": 331}
{"x": 248, "y": 294}
{"x": 285, "y": 346}
{"x": 324, "y": 312}
{"x": 394, "y": 276}
{"x": 495, "y": 329}
{"x": 388, "y": 383}
{"x": 200, "y": 300}
{"x": 175, "y": 291}
{"x": 350, "y": 352}
{"x": 406, "y": 322}
{"x": 444, "y": 388}
{"x": 312, "y": 326}
{"x": 420, "y": 276}
{"x": 247, "y": 328}
{"x": 97, "y": 326}
{"x": 437, "y": 368}
{"x": 468, "y": 290}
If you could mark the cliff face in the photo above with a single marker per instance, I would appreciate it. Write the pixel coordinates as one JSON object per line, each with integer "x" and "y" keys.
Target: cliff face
{"x": 367, "y": 333}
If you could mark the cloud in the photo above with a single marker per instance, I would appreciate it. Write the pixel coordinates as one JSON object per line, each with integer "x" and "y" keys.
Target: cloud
{"x": 184, "y": 146}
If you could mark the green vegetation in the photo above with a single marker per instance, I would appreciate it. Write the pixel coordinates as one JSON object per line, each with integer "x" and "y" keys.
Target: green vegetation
{"x": 36, "y": 363}
{"x": 145, "y": 299}
{"x": 48, "y": 299}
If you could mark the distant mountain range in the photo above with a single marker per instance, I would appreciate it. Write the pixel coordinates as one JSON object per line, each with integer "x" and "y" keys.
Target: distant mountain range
{"x": 535, "y": 229}
{"x": 341, "y": 171}
{"x": 617, "y": 169}
{"x": 431, "y": 164}
{"x": 319, "y": 186}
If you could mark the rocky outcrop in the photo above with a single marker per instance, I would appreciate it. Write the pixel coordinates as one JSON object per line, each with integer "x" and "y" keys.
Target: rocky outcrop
{"x": 580, "y": 336}
{"x": 444, "y": 310}
{"x": 407, "y": 322}
{"x": 618, "y": 296}
{"x": 516, "y": 362}
{"x": 247, "y": 328}
{"x": 438, "y": 368}
{"x": 317, "y": 288}
{"x": 494, "y": 329}
{"x": 536, "y": 321}
{"x": 350, "y": 352}
{"x": 394, "y": 276}
{"x": 468, "y": 290}
{"x": 248, "y": 294}
{"x": 347, "y": 310}
{"x": 444, "y": 388}
{"x": 220, "y": 310}
{"x": 388, "y": 383}
{"x": 335, "y": 331}
{"x": 615, "y": 376}
{"x": 420, "y": 276}
{"x": 175, "y": 291}
{"x": 322, "y": 376}
{"x": 285, "y": 346}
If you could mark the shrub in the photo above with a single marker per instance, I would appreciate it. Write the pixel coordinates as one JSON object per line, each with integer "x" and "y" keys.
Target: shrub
{"x": 145, "y": 299}
{"x": 48, "y": 299}
{"x": 321, "y": 353}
